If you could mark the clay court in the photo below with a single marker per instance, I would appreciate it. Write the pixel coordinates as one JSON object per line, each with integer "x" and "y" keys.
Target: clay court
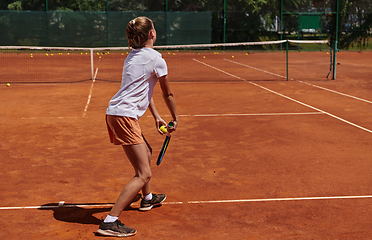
{"x": 254, "y": 156}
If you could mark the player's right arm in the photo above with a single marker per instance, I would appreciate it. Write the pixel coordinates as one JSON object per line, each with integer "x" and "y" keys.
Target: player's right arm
{"x": 169, "y": 101}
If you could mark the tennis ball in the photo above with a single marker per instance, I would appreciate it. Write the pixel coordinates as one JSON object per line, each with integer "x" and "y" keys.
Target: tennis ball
{"x": 163, "y": 129}
{"x": 232, "y": 56}
{"x": 203, "y": 56}
{"x": 8, "y": 84}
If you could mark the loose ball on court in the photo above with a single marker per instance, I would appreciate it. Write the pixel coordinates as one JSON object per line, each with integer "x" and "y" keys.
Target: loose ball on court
{"x": 8, "y": 84}
{"x": 163, "y": 129}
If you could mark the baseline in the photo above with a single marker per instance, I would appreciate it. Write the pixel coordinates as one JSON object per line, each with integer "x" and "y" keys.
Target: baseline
{"x": 62, "y": 205}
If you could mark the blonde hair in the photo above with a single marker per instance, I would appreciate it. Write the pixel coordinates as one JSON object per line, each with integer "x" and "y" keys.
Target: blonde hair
{"x": 138, "y": 31}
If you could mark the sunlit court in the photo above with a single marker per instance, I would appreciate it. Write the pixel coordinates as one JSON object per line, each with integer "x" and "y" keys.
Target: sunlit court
{"x": 269, "y": 136}
{"x": 254, "y": 156}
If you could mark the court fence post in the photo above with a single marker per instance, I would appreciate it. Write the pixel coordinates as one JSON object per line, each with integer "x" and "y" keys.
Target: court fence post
{"x": 335, "y": 43}
{"x": 287, "y": 57}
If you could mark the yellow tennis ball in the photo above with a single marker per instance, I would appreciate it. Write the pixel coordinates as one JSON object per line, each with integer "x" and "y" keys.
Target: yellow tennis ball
{"x": 8, "y": 84}
{"x": 232, "y": 56}
{"x": 163, "y": 129}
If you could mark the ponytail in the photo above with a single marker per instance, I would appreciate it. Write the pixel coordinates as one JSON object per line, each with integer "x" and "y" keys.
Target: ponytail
{"x": 138, "y": 31}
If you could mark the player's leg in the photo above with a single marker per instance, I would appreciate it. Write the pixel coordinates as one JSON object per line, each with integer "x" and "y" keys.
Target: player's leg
{"x": 138, "y": 156}
{"x": 150, "y": 200}
{"x": 147, "y": 189}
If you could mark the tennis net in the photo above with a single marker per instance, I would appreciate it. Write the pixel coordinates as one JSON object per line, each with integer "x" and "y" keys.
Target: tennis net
{"x": 249, "y": 61}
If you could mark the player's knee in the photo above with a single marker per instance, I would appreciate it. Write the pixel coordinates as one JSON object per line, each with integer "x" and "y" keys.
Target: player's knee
{"x": 146, "y": 176}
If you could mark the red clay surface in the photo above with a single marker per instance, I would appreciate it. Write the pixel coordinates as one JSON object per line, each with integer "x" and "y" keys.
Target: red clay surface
{"x": 236, "y": 141}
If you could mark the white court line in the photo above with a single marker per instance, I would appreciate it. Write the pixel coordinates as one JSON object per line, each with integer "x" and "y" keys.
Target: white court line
{"x": 340, "y": 93}
{"x": 289, "y": 98}
{"x": 191, "y": 202}
{"x": 34, "y": 118}
{"x": 242, "y": 114}
{"x": 280, "y": 199}
{"x": 90, "y": 94}
{"x": 219, "y": 70}
{"x": 343, "y": 94}
{"x": 316, "y": 109}
{"x": 256, "y": 68}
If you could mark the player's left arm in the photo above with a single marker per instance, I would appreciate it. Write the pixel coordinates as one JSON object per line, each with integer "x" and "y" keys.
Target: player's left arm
{"x": 158, "y": 120}
{"x": 169, "y": 101}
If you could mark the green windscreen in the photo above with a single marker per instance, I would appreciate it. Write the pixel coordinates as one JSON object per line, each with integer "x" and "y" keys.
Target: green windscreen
{"x": 310, "y": 22}
{"x": 99, "y": 29}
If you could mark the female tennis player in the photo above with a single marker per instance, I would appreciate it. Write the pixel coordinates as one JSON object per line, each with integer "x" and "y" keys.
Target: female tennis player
{"x": 142, "y": 69}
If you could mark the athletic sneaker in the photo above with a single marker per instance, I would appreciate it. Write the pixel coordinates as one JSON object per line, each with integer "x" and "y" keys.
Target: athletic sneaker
{"x": 155, "y": 201}
{"x": 115, "y": 229}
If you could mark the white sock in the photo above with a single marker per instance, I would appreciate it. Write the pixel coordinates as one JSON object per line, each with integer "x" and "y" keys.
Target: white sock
{"x": 110, "y": 219}
{"x": 148, "y": 197}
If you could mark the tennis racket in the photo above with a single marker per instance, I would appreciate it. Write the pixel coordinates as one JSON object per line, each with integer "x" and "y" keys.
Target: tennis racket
{"x": 164, "y": 147}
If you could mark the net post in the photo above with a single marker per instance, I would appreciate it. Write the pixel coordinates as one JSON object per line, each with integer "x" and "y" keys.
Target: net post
{"x": 287, "y": 57}
{"x": 91, "y": 63}
{"x": 334, "y": 61}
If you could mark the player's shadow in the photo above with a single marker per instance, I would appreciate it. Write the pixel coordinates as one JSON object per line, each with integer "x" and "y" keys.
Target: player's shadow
{"x": 72, "y": 213}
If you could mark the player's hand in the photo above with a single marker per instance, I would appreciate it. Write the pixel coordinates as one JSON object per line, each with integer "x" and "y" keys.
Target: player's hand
{"x": 160, "y": 122}
{"x": 172, "y": 125}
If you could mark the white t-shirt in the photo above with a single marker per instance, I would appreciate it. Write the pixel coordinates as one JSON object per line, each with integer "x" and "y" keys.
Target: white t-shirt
{"x": 141, "y": 71}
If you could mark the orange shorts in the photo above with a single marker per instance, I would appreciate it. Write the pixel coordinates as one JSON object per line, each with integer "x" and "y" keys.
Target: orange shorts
{"x": 124, "y": 130}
